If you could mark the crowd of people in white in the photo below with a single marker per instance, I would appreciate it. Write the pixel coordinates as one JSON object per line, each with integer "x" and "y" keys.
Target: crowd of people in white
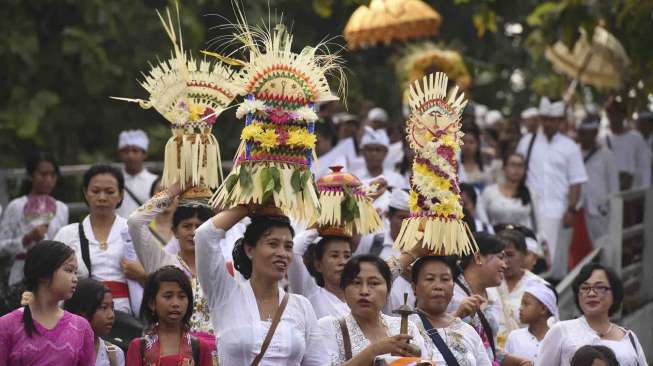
{"x": 331, "y": 301}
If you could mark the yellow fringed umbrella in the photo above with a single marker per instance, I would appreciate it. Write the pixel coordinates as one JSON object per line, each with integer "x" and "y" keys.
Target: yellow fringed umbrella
{"x": 384, "y": 21}
{"x": 602, "y": 63}
{"x": 419, "y": 60}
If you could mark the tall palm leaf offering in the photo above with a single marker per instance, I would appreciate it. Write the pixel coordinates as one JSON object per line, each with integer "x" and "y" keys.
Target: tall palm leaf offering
{"x": 433, "y": 130}
{"x": 190, "y": 94}
{"x": 281, "y": 88}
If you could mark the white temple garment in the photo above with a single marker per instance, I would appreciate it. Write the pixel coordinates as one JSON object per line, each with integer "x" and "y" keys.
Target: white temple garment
{"x": 15, "y": 225}
{"x": 522, "y": 343}
{"x": 511, "y": 302}
{"x": 506, "y": 210}
{"x": 102, "y": 358}
{"x": 566, "y": 337}
{"x": 235, "y": 315}
{"x": 105, "y": 264}
{"x": 302, "y": 283}
{"x": 333, "y": 345}
{"x": 140, "y": 185}
{"x": 463, "y": 341}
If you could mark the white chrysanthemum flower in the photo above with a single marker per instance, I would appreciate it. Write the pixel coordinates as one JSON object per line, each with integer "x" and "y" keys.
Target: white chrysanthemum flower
{"x": 249, "y": 106}
{"x": 306, "y": 114}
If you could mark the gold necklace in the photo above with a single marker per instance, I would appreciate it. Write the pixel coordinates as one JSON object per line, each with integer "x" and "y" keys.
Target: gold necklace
{"x": 104, "y": 245}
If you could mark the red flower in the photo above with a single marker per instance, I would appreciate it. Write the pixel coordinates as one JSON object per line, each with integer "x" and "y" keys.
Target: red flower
{"x": 209, "y": 112}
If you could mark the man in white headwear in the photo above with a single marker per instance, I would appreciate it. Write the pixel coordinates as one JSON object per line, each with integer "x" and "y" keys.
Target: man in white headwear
{"x": 378, "y": 118}
{"x": 374, "y": 147}
{"x": 555, "y": 173}
{"x": 530, "y": 120}
{"x": 603, "y": 178}
{"x": 630, "y": 149}
{"x": 132, "y": 151}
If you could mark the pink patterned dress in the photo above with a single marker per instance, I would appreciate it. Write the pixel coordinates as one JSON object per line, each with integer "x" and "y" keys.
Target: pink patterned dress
{"x": 69, "y": 343}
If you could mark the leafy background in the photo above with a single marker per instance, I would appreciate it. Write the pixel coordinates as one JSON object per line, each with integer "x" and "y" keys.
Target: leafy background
{"x": 61, "y": 59}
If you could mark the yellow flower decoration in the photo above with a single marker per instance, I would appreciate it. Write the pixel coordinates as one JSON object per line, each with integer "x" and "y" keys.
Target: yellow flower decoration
{"x": 412, "y": 201}
{"x": 300, "y": 137}
{"x": 268, "y": 139}
{"x": 195, "y": 110}
{"x": 448, "y": 140}
{"x": 251, "y": 132}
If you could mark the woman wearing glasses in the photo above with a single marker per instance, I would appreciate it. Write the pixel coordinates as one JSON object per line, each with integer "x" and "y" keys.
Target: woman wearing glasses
{"x": 598, "y": 293}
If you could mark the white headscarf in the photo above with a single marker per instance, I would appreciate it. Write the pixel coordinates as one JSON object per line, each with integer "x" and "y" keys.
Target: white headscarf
{"x": 399, "y": 200}
{"x": 136, "y": 138}
{"x": 530, "y": 113}
{"x": 544, "y": 295}
{"x": 375, "y": 137}
{"x": 552, "y": 110}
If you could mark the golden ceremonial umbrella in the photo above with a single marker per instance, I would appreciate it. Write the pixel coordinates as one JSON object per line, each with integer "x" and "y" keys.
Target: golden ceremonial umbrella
{"x": 419, "y": 60}
{"x": 602, "y": 63}
{"x": 384, "y": 21}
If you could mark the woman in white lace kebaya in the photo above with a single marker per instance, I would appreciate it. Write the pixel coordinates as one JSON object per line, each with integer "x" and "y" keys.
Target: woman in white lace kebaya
{"x": 186, "y": 219}
{"x": 433, "y": 282}
{"x": 599, "y": 292}
{"x": 321, "y": 285}
{"x": 242, "y": 312}
{"x": 366, "y": 281}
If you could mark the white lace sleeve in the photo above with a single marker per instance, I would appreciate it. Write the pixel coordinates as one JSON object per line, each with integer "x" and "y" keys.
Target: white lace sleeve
{"x": 151, "y": 255}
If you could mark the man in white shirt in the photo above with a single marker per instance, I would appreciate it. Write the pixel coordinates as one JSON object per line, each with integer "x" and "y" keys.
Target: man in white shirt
{"x": 348, "y": 146}
{"x": 632, "y": 154}
{"x": 374, "y": 146}
{"x": 132, "y": 151}
{"x": 555, "y": 172}
{"x": 603, "y": 178}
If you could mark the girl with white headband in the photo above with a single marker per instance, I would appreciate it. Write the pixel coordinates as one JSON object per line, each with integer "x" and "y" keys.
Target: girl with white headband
{"x": 538, "y": 304}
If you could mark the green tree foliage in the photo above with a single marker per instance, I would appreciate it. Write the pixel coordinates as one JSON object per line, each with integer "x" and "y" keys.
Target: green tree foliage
{"x": 62, "y": 59}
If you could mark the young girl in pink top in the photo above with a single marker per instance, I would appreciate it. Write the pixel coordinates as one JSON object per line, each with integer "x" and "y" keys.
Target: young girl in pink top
{"x": 41, "y": 333}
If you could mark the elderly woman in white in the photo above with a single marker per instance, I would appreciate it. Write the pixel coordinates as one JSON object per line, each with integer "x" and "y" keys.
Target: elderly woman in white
{"x": 245, "y": 314}
{"x": 599, "y": 293}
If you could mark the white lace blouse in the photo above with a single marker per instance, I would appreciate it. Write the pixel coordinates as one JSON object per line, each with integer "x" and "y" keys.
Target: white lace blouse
{"x": 333, "y": 344}
{"x": 461, "y": 338}
{"x": 234, "y": 312}
{"x": 506, "y": 210}
{"x": 566, "y": 337}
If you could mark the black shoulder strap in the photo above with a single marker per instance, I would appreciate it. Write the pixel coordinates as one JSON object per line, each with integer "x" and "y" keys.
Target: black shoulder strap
{"x": 608, "y": 142}
{"x": 195, "y": 348}
{"x": 346, "y": 341}
{"x": 528, "y": 152}
{"x": 590, "y": 154}
{"x": 83, "y": 243}
{"x": 133, "y": 196}
{"x": 440, "y": 344}
{"x": 486, "y": 324}
{"x": 377, "y": 244}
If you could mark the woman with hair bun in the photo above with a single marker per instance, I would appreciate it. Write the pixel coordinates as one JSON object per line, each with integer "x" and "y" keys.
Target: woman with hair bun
{"x": 41, "y": 333}
{"x": 246, "y": 314}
